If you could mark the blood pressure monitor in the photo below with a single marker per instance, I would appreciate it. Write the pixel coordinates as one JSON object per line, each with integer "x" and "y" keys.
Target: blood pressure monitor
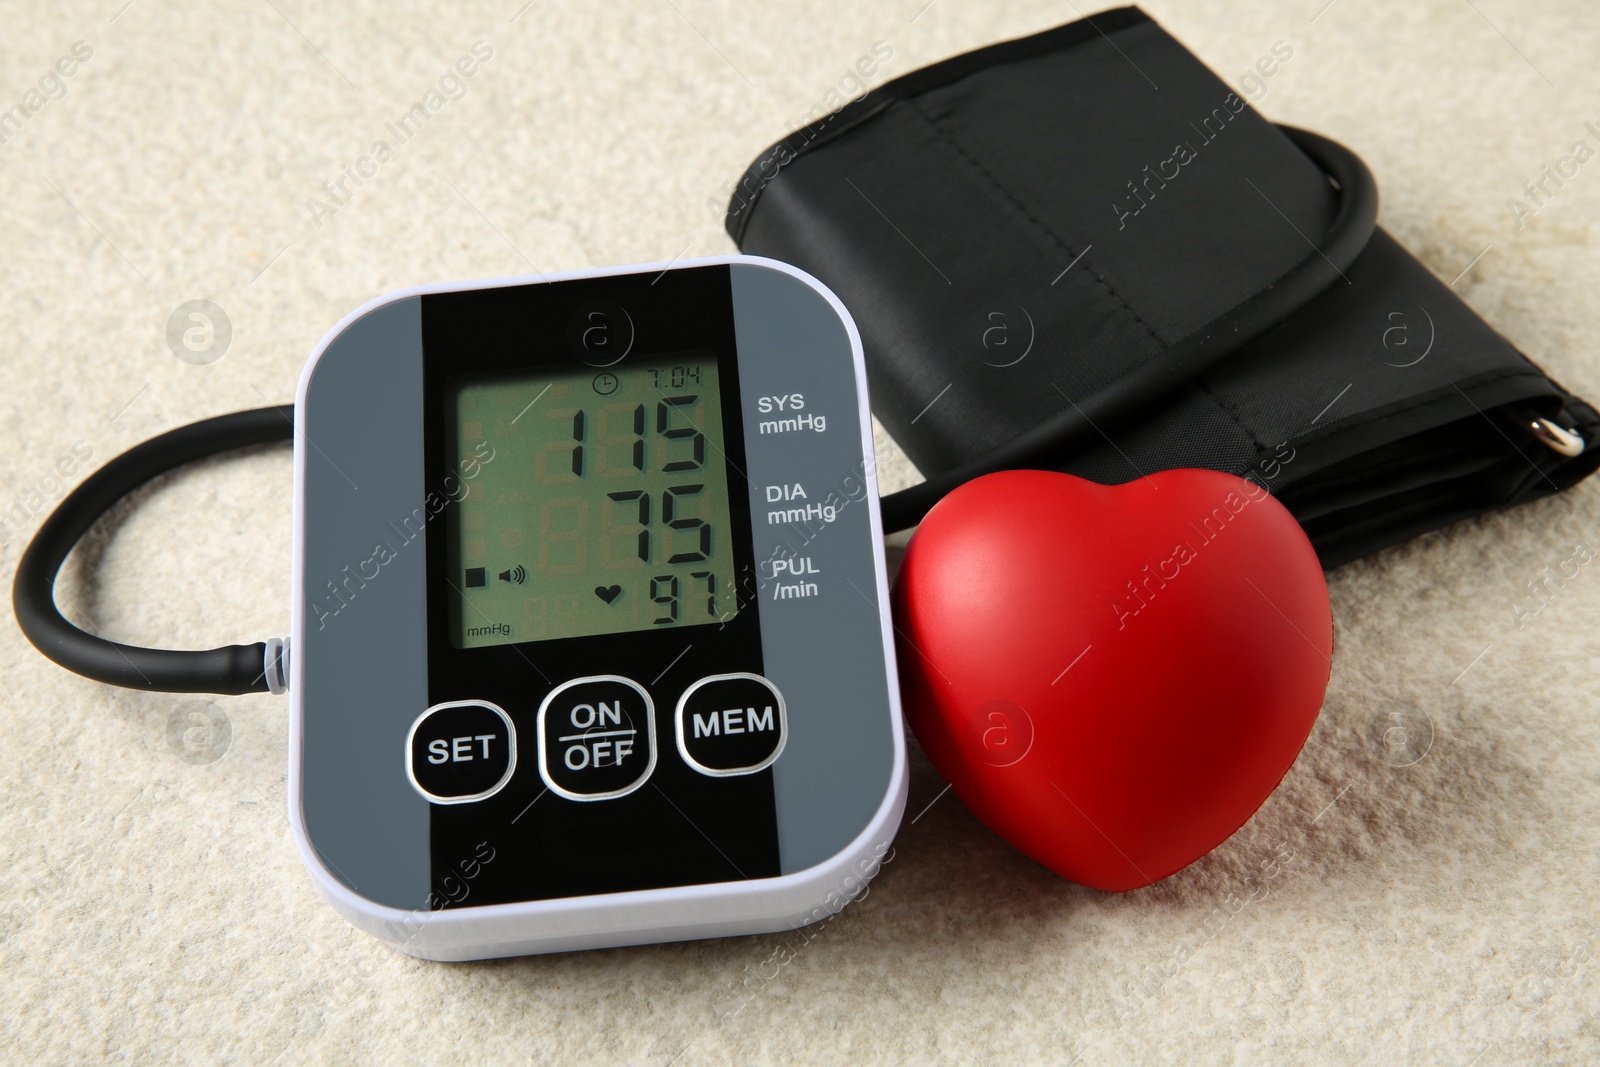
{"x": 590, "y": 639}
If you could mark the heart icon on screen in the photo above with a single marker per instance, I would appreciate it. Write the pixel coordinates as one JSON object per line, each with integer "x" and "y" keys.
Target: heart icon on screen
{"x": 608, "y": 593}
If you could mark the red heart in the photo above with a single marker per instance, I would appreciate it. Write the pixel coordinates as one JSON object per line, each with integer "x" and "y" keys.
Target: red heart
{"x": 1113, "y": 678}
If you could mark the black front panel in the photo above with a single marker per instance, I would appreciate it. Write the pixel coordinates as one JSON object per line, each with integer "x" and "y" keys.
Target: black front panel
{"x": 609, "y": 804}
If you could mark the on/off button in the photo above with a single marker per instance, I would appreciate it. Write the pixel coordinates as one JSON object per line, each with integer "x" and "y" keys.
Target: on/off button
{"x": 597, "y": 738}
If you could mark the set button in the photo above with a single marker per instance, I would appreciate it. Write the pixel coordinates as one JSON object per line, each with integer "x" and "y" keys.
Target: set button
{"x": 731, "y": 724}
{"x": 461, "y": 751}
{"x": 597, "y": 738}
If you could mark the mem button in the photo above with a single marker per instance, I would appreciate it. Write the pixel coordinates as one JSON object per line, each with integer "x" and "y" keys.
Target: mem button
{"x": 461, "y": 751}
{"x": 597, "y": 738}
{"x": 731, "y": 724}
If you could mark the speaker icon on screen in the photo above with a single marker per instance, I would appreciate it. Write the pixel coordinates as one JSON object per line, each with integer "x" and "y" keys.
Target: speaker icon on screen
{"x": 516, "y": 574}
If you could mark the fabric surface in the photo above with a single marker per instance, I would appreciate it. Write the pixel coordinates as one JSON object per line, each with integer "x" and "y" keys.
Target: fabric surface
{"x": 1420, "y": 889}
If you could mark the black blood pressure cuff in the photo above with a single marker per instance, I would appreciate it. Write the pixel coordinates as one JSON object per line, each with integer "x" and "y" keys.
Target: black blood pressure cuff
{"x": 1016, "y": 228}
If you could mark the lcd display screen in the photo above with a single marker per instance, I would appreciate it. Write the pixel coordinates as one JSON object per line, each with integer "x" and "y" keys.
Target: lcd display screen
{"x": 604, "y": 510}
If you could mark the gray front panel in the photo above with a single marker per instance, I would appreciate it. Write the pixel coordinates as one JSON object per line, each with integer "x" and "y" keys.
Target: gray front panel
{"x": 821, "y": 627}
{"x": 363, "y": 647}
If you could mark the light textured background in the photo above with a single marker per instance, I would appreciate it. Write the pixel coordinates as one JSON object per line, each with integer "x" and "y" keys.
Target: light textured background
{"x": 153, "y": 909}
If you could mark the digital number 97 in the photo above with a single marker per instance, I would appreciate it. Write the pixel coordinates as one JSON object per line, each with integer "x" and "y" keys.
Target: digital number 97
{"x": 665, "y": 594}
